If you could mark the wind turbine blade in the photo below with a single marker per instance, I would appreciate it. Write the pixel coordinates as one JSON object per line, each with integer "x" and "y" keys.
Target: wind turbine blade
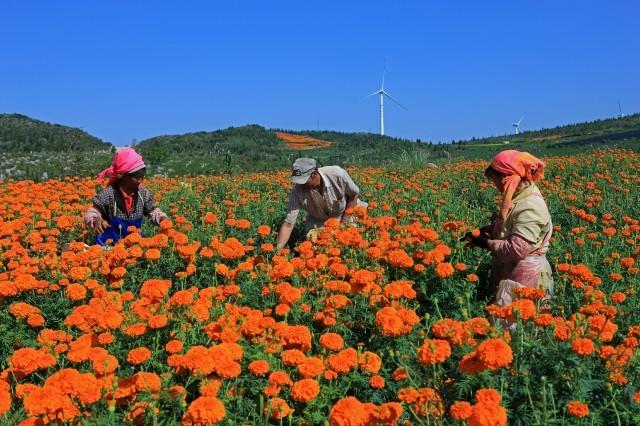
{"x": 384, "y": 71}
{"x": 520, "y": 121}
{"x": 377, "y": 92}
{"x": 390, "y": 97}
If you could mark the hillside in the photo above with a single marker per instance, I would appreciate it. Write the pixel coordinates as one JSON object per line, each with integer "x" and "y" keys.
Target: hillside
{"x": 19, "y": 133}
{"x": 253, "y": 147}
{"x": 603, "y": 129}
{"x": 35, "y": 149}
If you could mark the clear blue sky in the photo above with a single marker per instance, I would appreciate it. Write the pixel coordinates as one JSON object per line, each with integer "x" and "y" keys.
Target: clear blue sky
{"x": 136, "y": 69}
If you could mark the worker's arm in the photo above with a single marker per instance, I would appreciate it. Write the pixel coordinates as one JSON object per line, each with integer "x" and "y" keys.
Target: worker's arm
{"x": 351, "y": 192}
{"x": 94, "y": 220}
{"x": 293, "y": 208}
{"x": 351, "y": 203}
{"x": 284, "y": 234}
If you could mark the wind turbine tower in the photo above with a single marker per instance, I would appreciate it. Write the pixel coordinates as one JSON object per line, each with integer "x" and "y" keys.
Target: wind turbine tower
{"x": 516, "y": 125}
{"x": 382, "y": 94}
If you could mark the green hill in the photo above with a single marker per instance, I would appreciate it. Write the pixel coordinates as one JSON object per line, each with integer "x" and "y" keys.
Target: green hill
{"x": 19, "y": 133}
{"x": 617, "y": 128}
{"x": 36, "y": 149}
{"x": 253, "y": 147}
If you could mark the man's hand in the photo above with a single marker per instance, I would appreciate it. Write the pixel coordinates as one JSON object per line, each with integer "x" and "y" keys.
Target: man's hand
{"x": 98, "y": 225}
{"x": 283, "y": 235}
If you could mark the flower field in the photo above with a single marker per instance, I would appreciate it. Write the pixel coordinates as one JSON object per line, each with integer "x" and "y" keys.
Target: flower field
{"x": 201, "y": 322}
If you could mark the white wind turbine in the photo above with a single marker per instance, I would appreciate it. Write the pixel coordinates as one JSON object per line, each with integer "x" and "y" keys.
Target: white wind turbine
{"x": 516, "y": 125}
{"x": 382, "y": 94}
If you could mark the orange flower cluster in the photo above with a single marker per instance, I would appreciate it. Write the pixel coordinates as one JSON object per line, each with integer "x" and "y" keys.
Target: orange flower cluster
{"x": 491, "y": 354}
{"x": 578, "y": 409}
{"x": 350, "y": 411}
{"x": 220, "y": 359}
{"x": 434, "y": 351}
{"x": 396, "y": 321}
{"x": 425, "y": 402}
{"x": 486, "y": 411}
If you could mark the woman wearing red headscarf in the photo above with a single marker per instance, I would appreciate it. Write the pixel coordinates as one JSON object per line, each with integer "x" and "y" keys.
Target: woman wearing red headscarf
{"x": 519, "y": 239}
{"x": 123, "y": 202}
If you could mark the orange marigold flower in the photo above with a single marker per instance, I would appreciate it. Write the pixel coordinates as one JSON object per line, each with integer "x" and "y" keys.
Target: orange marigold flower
{"x": 280, "y": 378}
{"x": 138, "y": 355}
{"x": 76, "y": 292}
{"x": 204, "y": 411}
{"x": 396, "y": 322}
{"x": 5, "y": 397}
{"x": 376, "y": 382}
{"x": 35, "y": 320}
{"x": 292, "y": 356}
{"x": 614, "y": 276}
{"x": 157, "y": 321}
{"x": 490, "y": 396}
{"x": 264, "y": 230}
{"x": 460, "y": 267}
{"x": 525, "y": 309}
{"x": 305, "y": 390}
{"x": 152, "y": 254}
{"x": 277, "y": 408}
{"x": 243, "y": 224}
{"x": 348, "y": 411}
{"x": 311, "y": 367}
{"x": 400, "y": 374}
{"x": 494, "y": 353}
{"x": 259, "y": 367}
{"x": 618, "y": 297}
{"x": 583, "y": 346}
{"x": 105, "y": 338}
{"x": 627, "y": 262}
{"x": 209, "y": 218}
{"x": 434, "y": 351}
{"x": 147, "y": 382}
{"x": 483, "y": 414}
{"x": 331, "y": 341}
{"x": 578, "y": 409}
{"x": 460, "y": 410}
{"x": 444, "y": 270}
{"x": 173, "y": 346}
{"x": 27, "y": 360}
{"x": 399, "y": 258}
{"x": 370, "y": 362}
{"x": 155, "y": 290}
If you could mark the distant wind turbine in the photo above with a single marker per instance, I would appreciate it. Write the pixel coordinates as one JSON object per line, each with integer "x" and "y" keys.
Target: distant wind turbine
{"x": 382, "y": 94}
{"x": 620, "y": 109}
{"x": 516, "y": 125}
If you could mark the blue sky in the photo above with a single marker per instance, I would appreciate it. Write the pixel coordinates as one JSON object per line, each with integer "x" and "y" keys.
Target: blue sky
{"x": 124, "y": 70}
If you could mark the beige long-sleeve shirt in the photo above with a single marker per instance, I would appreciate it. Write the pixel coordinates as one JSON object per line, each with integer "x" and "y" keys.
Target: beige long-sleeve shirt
{"x": 328, "y": 201}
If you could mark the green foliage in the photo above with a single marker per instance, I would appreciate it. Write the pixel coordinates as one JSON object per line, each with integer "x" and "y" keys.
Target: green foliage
{"x": 19, "y": 133}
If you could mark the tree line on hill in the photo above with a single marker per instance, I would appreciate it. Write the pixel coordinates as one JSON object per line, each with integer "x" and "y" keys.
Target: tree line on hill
{"x": 19, "y": 133}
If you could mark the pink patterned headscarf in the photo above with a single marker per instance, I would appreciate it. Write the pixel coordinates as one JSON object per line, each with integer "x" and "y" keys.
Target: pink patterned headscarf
{"x": 125, "y": 161}
{"x": 515, "y": 166}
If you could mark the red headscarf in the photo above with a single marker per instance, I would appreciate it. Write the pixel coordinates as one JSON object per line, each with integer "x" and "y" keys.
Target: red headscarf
{"x": 125, "y": 161}
{"x": 515, "y": 166}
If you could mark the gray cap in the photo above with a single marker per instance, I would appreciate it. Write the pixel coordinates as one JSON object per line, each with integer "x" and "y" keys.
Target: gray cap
{"x": 302, "y": 169}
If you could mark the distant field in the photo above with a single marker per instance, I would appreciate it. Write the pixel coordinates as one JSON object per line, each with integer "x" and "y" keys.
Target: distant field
{"x": 300, "y": 142}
